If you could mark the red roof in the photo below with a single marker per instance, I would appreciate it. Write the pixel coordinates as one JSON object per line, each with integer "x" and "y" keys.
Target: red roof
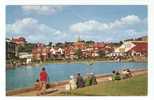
{"x": 140, "y": 47}
{"x": 19, "y": 40}
{"x": 79, "y": 45}
{"x": 99, "y": 45}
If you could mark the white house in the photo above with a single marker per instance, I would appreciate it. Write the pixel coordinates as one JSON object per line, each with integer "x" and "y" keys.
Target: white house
{"x": 131, "y": 48}
{"x": 27, "y": 56}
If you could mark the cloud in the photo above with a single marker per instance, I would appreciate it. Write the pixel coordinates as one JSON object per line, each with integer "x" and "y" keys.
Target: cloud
{"x": 130, "y": 26}
{"x": 33, "y": 30}
{"x": 123, "y": 28}
{"x": 41, "y": 10}
{"x": 88, "y": 26}
{"x": 128, "y": 22}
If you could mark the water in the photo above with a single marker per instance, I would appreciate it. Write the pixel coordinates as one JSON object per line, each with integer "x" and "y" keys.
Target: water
{"x": 25, "y": 76}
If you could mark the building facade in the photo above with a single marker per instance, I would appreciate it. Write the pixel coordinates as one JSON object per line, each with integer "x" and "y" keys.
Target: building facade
{"x": 131, "y": 48}
{"x": 11, "y": 50}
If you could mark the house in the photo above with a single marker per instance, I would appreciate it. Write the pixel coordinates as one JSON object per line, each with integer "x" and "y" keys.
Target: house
{"x": 101, "y": 49}
{"x": 44, "y": 53}
{"x": 79, "y": 45}
{"x": 60, "y": 51}
{"x": 53, "y": 51}
{"x": 40, "y": 52}
{"x": 99, "y": 45}
{"x": 131, "y": 48}
{"x": 36, "y": 53}
{"x": 27, "y": 57}
{"x": 69, "y": 52}
{"x": 11, "y": 50}
{"x": 140, "y": 48}
{"x": 19, "y": 40}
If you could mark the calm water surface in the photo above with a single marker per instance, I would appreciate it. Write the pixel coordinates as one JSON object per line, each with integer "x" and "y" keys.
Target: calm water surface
{"x": 25, "y": 76}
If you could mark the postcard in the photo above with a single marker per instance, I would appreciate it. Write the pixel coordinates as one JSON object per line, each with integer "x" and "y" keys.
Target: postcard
{"x": 76, "y": 50}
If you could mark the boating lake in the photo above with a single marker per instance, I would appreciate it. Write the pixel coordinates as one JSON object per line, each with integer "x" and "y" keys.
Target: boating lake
{"x": 22, "y": 77}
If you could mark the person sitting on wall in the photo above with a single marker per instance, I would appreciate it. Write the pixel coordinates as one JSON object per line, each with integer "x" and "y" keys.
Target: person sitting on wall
{"x": 93, "y": 79}
{"x": 79, "y": 81}
{"x": 88, "y": 80}
{"x": 126, "y": 73}
{"x": 115, "y": 75}
{"x": 129, "y": 73}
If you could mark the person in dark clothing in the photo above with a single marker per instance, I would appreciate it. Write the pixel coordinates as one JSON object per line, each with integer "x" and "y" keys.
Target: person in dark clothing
{"x": 79, "y": 81}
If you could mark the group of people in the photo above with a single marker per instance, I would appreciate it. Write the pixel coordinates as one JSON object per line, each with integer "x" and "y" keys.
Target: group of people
{"x": 41, "y": 83}
{"x": 75, "y": 82}
{"x": 124, "y": 74}
{"x": 78, "y": 81}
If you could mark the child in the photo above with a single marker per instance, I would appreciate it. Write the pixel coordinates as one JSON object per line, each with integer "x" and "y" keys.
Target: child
{"x": 37, "y": 86}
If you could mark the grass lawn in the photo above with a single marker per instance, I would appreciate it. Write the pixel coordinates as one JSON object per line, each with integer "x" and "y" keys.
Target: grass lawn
{"x": 136, "y": 86}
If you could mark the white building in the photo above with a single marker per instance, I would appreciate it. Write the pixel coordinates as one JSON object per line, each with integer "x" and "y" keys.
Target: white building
{"x": 131, "y": 48}
{"x": 27, "y": 56}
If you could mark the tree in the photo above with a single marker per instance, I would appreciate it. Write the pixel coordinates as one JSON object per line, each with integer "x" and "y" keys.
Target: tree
{"x": 68, "y": 43}
{"x": 78, "y": 53}
{"x": 90, "y": 42}
{"x": 26, "y": 48}
{"x": 59, "y": 44}
{"x": 121, "y": 42}
{"x": 50, "y": 44}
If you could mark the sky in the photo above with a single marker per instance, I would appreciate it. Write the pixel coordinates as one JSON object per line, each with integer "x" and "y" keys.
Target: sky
{"x": 60, "y": 23}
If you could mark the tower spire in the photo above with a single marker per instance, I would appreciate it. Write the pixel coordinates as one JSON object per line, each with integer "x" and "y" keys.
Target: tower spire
{"x": 78, "y": 38}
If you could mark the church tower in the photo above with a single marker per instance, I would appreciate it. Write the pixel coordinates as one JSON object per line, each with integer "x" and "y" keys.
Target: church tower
{"x": 78, "y": 39}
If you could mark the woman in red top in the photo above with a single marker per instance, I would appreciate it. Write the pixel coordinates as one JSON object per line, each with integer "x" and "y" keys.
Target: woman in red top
{"x": 43, "y": 76}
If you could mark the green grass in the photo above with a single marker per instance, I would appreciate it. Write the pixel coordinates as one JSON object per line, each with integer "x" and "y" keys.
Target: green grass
{"x": 136, "y": 86}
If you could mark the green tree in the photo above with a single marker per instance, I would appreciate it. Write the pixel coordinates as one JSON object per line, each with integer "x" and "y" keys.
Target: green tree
{"x": 59, "y": 44}
{"x": 50, "y": 44}
{"x": 26, "y": 48}
{"x": 78, "y": 53}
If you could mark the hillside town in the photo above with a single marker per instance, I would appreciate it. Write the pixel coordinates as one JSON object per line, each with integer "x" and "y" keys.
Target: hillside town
{"x": 20, "y": 52}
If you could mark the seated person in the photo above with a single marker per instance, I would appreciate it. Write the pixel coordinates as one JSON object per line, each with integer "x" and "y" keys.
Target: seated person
{"x": 93, "y": 79}
{"x": 88, "y": 80}
{"x": 72, "y": 83}
{"x": 126, "y": 73}
{"x": 116, "y": 75}
{"x": 67, "y": 87}
{"x": 129, "y": 73}
{"x": 37, "y": 85}
{"x": 113, "y": 74}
